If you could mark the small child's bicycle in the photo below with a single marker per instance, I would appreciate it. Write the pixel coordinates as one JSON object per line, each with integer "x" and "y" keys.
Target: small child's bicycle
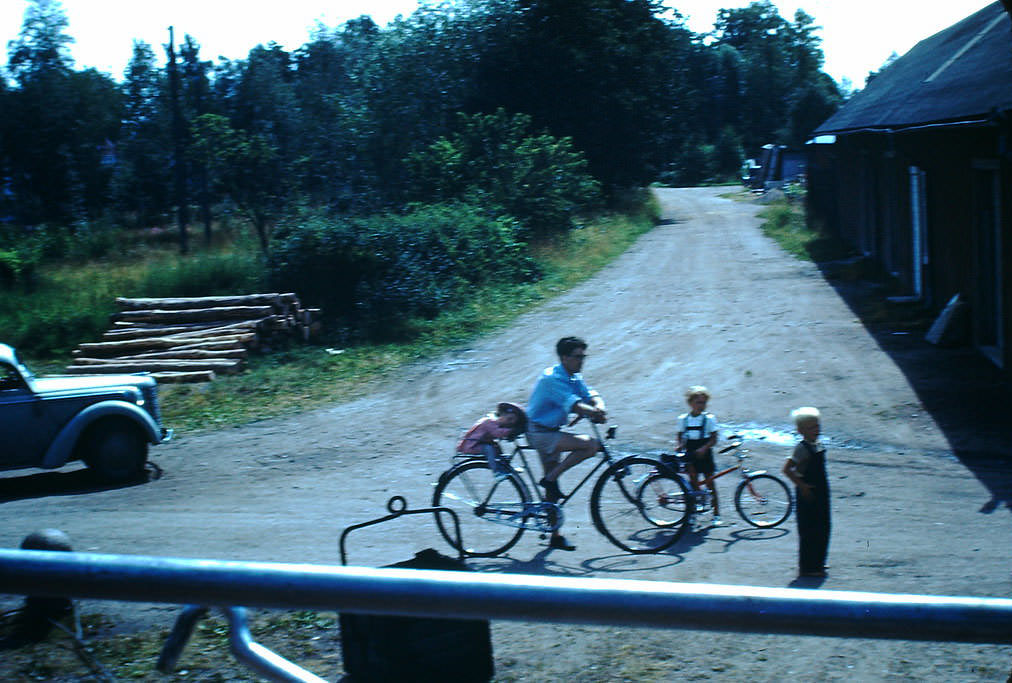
{"x": 762, "y": 499}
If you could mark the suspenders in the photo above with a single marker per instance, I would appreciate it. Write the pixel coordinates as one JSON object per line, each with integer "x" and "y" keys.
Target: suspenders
{"x": 701, "y": 427}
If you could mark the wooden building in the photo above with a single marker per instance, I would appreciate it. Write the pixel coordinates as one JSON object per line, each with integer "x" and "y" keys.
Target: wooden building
{"x": 916, "y": 171}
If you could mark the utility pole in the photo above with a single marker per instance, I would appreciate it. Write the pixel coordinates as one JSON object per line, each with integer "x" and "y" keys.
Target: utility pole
{"x": 178, "y": 146}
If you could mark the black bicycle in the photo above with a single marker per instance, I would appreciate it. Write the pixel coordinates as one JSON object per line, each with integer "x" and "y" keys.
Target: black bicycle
{"x": 497, "y": 505}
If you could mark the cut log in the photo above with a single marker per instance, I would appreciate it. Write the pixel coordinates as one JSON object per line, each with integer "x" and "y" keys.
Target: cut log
{"x": 183, "y": 377}
{"x": 214, "y": 345}
{"x": 134, "y": 325}
{"x": 210, "y": 333}
{"x": 192, "y": 354}
{"x": 119, "y": 348}
{"x": 182, "y": 303}
{"x": 121, "y": 334}
{"x": 222, "y": 366}
{"x": 181, "y": 354}
{"x": 197, "y": 314}
{"x": 129, "y": 360}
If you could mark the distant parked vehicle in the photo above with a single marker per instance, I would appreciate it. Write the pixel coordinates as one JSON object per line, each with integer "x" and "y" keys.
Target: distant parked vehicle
{"x": 107, "y": 421}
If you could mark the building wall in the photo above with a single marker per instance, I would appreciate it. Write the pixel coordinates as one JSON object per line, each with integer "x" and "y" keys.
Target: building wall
{"x": 860, "y": 190}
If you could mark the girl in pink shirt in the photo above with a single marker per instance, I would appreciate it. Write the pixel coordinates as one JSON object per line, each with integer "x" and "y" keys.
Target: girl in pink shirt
{"x": 483, "y": 437}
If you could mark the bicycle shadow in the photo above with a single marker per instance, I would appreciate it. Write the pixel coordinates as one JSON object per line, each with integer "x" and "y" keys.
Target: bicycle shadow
{"x": 551, "y": 562}
{"x": 699, "y": 534}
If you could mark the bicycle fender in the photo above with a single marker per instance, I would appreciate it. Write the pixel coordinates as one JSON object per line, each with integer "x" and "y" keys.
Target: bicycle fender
{"x": 755, "y": 473}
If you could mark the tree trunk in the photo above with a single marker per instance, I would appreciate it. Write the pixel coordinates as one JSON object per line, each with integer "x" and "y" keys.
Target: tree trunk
{"x": 178, "y": 145}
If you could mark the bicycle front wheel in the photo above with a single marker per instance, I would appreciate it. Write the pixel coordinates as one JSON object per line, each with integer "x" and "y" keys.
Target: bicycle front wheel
{"x": 490, "y": 509}
{"x": 763, "y": 500}
{"x": 640, "y": 506}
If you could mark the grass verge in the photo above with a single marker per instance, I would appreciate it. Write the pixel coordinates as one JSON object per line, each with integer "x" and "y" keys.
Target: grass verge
{"x": 785, "y": 222}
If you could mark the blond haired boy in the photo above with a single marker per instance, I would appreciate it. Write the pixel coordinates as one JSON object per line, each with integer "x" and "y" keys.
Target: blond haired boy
{"x": 806, "y": 467}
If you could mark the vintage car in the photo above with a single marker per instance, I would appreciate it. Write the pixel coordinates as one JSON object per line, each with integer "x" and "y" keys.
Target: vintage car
{"x": 105, "y": 420}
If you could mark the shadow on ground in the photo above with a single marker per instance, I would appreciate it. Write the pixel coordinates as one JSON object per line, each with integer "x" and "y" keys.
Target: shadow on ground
{"x": 65, "y": 483}
{"x": 967, "y": 396}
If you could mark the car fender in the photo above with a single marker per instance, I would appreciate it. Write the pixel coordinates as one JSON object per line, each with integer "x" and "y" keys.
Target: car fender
{"x": 62, "y": 447}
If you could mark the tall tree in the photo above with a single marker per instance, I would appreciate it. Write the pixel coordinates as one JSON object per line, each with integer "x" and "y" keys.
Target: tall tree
{"x": 784, "y": 87}
{"x": 43, "y": 45}
{"x": 58, "y": 122}
{"x": 246, "y": 167}
{"x": 196, "y": 100}
{"x": 337, "y": 122}
{"x": 143, "y": 172}
{"x": 38, "y": 145}
{"x": 596, "y": 71}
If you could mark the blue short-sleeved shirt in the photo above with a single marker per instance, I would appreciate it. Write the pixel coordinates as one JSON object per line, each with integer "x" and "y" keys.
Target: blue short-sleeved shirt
{"x": 554, "y": 394}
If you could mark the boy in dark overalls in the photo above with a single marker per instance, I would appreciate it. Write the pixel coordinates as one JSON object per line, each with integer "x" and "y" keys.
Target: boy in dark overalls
{"x": 806, "y": 467}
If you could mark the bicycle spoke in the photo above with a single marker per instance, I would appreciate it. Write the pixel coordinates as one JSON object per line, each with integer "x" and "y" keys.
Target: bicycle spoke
{"x": 639, "y": 507}
{"x": 490, "y": 508}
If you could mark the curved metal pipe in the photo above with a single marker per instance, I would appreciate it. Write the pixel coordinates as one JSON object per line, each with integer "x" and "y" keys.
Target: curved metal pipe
{"x": 428, "y": 593}
{"x": 267, "y": 663}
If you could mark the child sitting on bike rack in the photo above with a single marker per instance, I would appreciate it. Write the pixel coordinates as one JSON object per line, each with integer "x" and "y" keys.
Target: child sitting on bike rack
{"x": 697, "y": 435}
{"x": 507, "y": 422}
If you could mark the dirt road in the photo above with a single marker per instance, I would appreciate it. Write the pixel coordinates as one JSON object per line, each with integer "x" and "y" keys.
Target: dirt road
{"x": 704, "y": 298}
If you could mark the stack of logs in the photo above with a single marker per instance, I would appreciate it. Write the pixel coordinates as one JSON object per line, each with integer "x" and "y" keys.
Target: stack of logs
{"x": 192, "y": 339}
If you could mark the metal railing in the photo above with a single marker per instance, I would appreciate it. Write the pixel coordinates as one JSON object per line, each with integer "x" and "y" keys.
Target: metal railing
{"x": 427, "y": 593}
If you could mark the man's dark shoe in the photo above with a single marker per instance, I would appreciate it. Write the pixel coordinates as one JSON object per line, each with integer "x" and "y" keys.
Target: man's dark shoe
{"x": 552, "y": 491}
{"x": 560, "y": 543}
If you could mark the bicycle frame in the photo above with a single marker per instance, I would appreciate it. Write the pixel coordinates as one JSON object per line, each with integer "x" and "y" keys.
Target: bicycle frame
{"x": 605, "y": 460}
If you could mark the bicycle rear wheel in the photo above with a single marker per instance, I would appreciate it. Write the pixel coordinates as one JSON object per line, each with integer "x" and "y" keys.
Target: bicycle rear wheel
{"x": 763, "y": 500}
{"x": 640, "y": 506}
{"x": 490, "y": 508}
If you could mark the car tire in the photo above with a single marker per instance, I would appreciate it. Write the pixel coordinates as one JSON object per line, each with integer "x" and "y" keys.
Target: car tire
{"x": 116, "y": 450}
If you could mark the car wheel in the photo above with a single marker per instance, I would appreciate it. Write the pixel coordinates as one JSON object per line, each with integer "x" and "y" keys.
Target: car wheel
{"x": 116, "y": 451}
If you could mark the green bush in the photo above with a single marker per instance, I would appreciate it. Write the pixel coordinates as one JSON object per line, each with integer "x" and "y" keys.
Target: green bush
{"x": 495, "y": 160}
{"x": 205, "y": 274}
{"x": 15, "y": 268}
{"x": 377, "y": 273}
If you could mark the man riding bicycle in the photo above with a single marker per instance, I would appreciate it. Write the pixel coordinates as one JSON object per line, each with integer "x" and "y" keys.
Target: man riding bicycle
{"x": 558, "y": 392}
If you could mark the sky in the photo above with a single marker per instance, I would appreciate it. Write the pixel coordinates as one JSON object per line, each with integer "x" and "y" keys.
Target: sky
{"x": 858, "y": 35}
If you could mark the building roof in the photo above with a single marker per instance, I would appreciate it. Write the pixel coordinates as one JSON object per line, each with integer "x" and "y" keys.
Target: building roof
{"x": 961, "y": 74}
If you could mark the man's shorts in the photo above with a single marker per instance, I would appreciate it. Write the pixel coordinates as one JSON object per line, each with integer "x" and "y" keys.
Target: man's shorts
{"x": 545, "y": 440}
